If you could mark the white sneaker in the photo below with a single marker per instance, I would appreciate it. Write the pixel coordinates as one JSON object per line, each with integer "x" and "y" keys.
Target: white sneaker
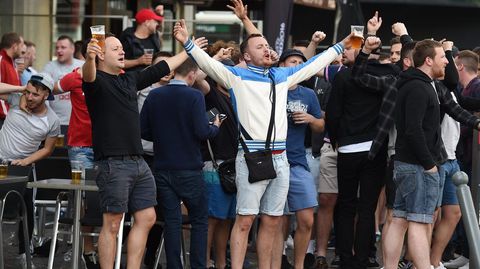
{"x": 466, "y": 266}
{"x": 441, "y": 266}
{"x": 22, "y": 260}
{"x": 456, "y": 263}
{"x": 290, "y": 242}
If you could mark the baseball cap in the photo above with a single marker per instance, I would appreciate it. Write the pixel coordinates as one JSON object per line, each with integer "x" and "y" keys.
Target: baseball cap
{"x": 146, "y": 14}
{"x": 46, "y": 80}
{"x": 291, "y": 52}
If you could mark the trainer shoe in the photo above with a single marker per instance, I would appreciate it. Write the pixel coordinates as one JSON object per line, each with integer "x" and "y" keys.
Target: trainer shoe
{"x": 320, "y": 263}
{"x": 91, "y": 260}
{"x": 336, "y": 262}
{"x": 458, "y": 262}
{"x": 372, "y": 262}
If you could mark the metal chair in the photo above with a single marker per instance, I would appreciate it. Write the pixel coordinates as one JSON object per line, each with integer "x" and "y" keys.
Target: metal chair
{"x": 11, "y": 195}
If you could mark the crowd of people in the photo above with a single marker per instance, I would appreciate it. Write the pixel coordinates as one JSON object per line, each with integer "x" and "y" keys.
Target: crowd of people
{"x": 347, "y": 147}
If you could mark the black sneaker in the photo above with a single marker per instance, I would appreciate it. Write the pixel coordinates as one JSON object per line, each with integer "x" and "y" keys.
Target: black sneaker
{"x": 91, "y": 260}
{"x": 320, "y": 263}
{"x": 336, "y": 262}
{"x": 309, "y": 261}
{"x": 372, "y": 262}
{"x": 285, "y": 263}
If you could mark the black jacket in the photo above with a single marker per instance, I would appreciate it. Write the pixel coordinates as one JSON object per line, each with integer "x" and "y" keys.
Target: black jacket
{"x": 417, "y": 118}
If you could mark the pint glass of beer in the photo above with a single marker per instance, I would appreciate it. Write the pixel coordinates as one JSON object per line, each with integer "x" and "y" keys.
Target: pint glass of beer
{"x": 77, "y": 171}
{"x": 98, "y": 32}
{"x": 357, "y": 37}
{"x": 60, "y": 142}
{"x": 3, "y": 168}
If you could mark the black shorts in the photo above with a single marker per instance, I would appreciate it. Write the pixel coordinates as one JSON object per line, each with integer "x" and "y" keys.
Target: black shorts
{"x": 125, "y": 185}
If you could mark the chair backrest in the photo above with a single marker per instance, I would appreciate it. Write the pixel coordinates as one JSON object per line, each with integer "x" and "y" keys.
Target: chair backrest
{"x": 16, "y": 170}
{"x": 51, "y": 167}
{"x": 93, "y": 213}
{"x": 13, "y": 202}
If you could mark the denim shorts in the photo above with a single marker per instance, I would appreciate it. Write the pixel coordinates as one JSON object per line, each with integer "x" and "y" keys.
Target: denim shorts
{"x": 221, "y": 205}
{"x": 301, "y": 192}
{"x": 418, "y": 192}
{"x": 266, "y": 196}
{"x": 82, "y": 154}
{"x": 125, "y": 185}
{"x": 450, "y": 167}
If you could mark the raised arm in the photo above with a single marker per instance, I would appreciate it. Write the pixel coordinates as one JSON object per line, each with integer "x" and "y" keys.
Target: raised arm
{"x": 241, "y": 12}
{"x": 374, "y": 24}
{"x": 317, "y": 37}
{"x": 89, "y": 69}
{"x": 399, "y": 29}
{"x": 213, "y": 68}
{"x": 306, "y": 70}
{"x": 359, "y": 69}
{"x": 451, "y": 72}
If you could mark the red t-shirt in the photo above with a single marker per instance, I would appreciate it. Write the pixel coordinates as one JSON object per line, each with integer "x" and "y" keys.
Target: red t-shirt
{"x": 80, "y": 127}
{"x": 8, "y": 74}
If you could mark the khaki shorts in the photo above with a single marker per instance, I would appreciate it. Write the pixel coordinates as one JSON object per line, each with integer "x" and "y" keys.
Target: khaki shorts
{"x": 328, "y": 182}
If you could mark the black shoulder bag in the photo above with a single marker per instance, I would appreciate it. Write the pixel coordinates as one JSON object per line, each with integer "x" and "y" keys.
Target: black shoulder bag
{"x": 260, "y": 163}
{"x": 226, "y": 172}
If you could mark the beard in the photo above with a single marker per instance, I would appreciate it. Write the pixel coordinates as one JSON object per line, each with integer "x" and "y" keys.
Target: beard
{"x": 438, "y": 72}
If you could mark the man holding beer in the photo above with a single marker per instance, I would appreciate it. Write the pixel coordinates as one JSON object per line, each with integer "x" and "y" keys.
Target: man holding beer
{"x": 124, "y": 179}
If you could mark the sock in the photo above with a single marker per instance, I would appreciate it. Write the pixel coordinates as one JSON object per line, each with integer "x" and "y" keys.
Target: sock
{"x": 311, "y": 246}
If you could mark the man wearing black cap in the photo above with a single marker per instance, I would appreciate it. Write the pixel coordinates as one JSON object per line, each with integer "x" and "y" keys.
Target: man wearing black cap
{"x": 141, "y": 42}
{"x": 303, "y": 110}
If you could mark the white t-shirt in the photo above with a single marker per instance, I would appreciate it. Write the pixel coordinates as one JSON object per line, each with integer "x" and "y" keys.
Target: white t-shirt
{"x": 450, "y": 134}
{"x": 61, "y": 105}
{"x": 22, "y": 133}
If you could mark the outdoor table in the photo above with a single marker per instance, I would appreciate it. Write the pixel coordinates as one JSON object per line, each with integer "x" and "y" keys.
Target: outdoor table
{"x": 67, "y": 184}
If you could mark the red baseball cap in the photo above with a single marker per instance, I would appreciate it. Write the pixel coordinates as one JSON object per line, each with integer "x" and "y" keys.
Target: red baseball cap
{"x": 146, "y": 14}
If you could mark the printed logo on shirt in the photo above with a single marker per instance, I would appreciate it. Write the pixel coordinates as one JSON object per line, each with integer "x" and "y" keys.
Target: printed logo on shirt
{"x": 295, "y": 106}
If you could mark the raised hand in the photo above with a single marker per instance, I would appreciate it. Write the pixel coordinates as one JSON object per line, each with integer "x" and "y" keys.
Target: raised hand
{"x": 347, "y": 42}
{"x": 374, "y": 24}
{"x": 318, "y": 37}
{"x": 93, "y": 49}
{"x": 223, "y": 53}
{"x": 180, "y": 31}
{"x": 399, "y": 29}
{"x": 371, "y": 43}
{"x": 239, "y": 9}
{"x": 201, "y": 42}
{"x": 447, "y": 45}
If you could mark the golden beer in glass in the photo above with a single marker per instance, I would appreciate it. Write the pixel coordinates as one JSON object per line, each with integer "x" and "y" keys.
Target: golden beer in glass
{"x": 98, "y": 32}
{"x": 357, "y": 37}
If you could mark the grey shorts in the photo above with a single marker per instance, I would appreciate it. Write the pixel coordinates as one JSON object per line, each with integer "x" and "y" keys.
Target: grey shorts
{"x": 266, "y": 196}
{"x": 125, "y": 185}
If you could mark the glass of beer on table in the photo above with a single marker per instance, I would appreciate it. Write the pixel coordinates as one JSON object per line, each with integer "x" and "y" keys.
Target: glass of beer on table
{"x": 98, "y": 32}
{"x": 77, "y": 171}
{"x": 357, "y": 37}
{"x": 3, "y": 168}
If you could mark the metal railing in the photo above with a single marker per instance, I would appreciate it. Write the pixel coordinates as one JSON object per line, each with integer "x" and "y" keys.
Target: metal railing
{"x": 469, "y": 217}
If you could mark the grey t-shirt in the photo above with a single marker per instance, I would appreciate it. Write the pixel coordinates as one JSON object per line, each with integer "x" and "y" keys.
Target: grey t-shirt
{"x": 61, "y": 105}
{"x": 22, "y": 133}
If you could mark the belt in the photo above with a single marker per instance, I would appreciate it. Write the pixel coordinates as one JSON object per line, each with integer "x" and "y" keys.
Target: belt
{"x": 124, "y": 158}
{"x": 276, "y": 152}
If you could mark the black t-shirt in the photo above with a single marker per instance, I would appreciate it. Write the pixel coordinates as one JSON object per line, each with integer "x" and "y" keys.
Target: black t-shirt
{"x": 112, "y": 105}
{"x": 225, "y": 144}
{"x": 147, "y": 43}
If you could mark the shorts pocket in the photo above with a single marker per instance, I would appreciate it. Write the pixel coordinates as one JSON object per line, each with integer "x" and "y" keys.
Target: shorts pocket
{"x": 405, "y": 182}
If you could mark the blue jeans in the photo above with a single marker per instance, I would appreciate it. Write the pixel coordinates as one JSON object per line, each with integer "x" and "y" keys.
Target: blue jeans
{"x": 449, "y": 189}
{"x": 190, "y": 187}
